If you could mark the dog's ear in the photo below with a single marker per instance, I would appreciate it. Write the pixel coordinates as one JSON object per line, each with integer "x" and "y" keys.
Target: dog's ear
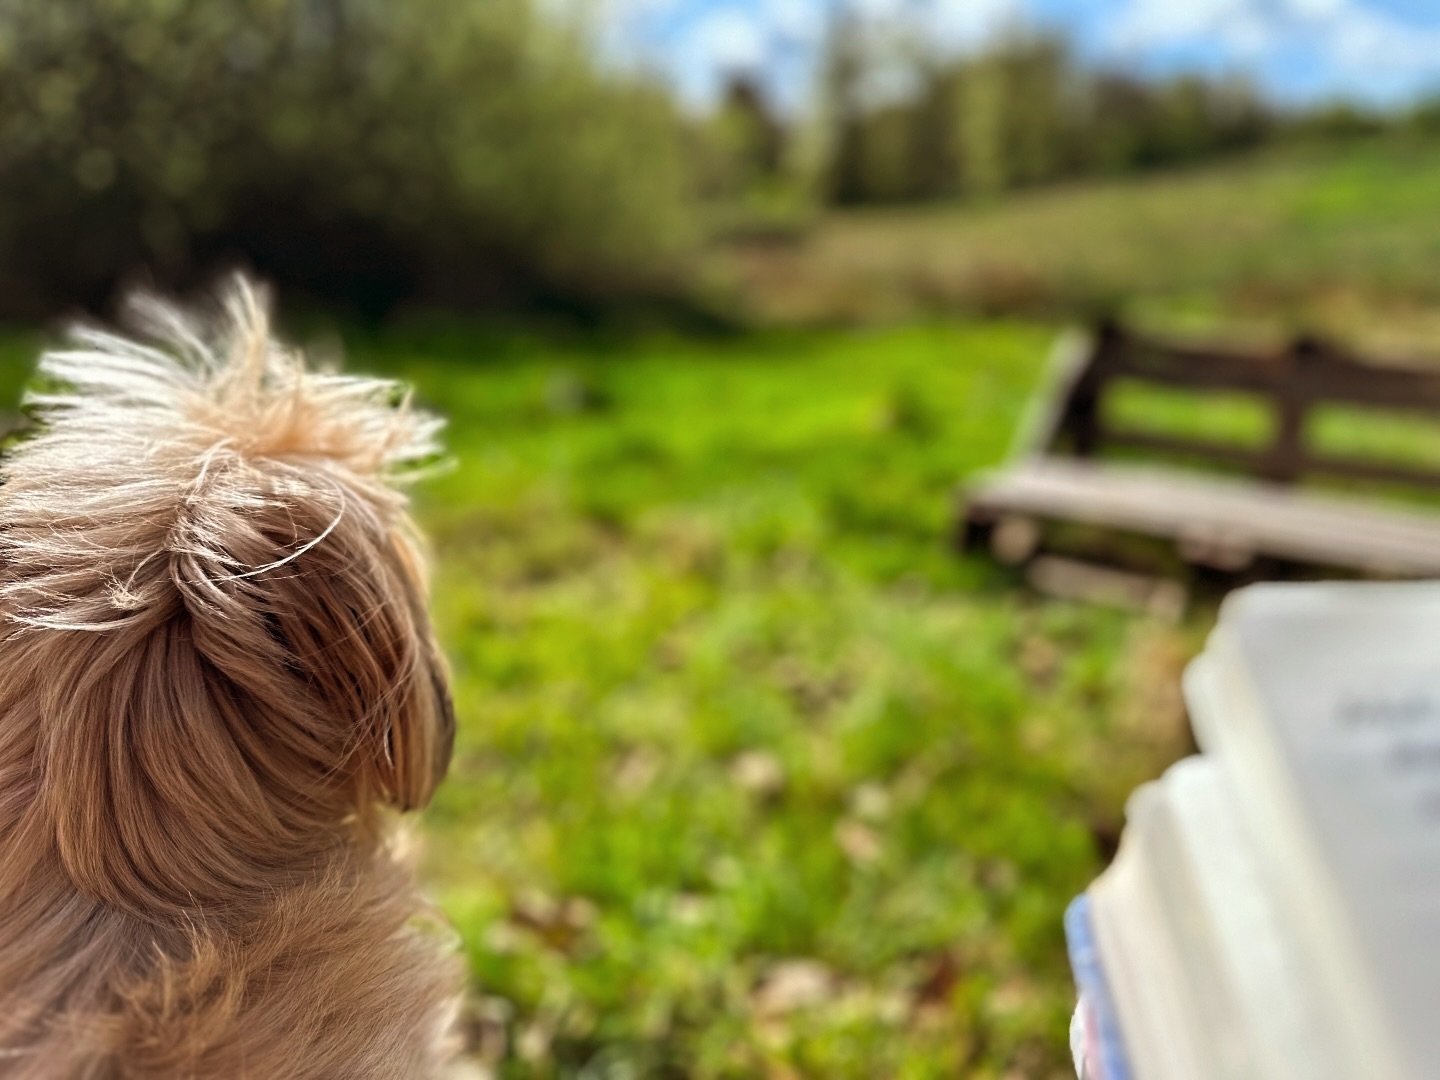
{"x": 297, "y": 528}
{"x": 334, "y": 653}
{"x": 331, "y": 651}
{"x": 209, "y": 577}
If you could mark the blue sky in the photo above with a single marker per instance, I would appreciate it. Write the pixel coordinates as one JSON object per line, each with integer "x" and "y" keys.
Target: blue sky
{"x": 1382, "y": 51}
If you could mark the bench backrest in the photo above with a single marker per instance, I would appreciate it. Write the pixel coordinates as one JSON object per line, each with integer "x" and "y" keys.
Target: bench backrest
{"x": 1290, "y": 381}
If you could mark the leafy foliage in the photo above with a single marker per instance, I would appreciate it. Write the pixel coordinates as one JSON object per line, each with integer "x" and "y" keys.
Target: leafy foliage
{"x": 1017, "y": 113}
{"x": 367, "y": 153}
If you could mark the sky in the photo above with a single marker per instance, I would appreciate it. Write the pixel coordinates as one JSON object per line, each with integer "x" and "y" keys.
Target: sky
{"x": 1383, "y": 52}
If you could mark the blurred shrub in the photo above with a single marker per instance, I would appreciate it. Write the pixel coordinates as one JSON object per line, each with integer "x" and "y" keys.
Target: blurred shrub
{"x": 1424, "y": 115}
{"x": 1018, "y": 112}
{"x": 745, "y": 143}
{"x": 1344, "y": 120}
{"x": 363, "y": 151}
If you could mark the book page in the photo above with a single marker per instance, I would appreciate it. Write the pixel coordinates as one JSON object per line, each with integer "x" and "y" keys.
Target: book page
{"x": 1346, "y": 691}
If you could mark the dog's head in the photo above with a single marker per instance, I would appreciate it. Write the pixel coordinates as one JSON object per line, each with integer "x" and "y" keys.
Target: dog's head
{"x": 212, "y": 607}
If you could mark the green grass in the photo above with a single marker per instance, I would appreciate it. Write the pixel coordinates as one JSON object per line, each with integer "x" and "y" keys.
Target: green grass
{"x": 1340, "y": 238}
{"x": 755, "y": 778}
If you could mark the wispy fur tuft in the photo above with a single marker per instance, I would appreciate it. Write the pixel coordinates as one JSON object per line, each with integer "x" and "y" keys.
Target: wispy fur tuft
{"x": 216, "y": 670}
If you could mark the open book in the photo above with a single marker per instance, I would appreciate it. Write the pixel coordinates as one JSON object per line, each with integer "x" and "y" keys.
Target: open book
{"x": 1274, "y": 909}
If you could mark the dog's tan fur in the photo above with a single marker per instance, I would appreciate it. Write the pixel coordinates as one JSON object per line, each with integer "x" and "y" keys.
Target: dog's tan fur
{"x": 216, "y": 675}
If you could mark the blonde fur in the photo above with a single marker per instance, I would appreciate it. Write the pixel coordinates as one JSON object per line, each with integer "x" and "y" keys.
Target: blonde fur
{"x": 216, "y": 673}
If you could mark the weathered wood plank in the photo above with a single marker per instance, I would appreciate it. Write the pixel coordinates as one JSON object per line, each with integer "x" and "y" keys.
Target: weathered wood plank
{"x": 1256, "y": 461}
{"x": 1271, "y": 520}
{"x": 1325, "y": 376}
{"x": 1049, "y": 413}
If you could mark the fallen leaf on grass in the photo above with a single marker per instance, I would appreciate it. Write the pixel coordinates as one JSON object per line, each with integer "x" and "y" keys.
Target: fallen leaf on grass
{"x": 870, "y": 802}
{"x": 636, "y": 771}
{"x": 860, "y": 843}
{"x": 559, "y": 924}
{"x": 533, "y": 1043}
{"x": 758, "y": 772}
{"x": 792, "y": 985}
{"x": 942, "y": 975}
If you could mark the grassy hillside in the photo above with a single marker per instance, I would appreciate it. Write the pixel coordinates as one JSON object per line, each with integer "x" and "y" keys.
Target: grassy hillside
{"x": 1345, "y": 238}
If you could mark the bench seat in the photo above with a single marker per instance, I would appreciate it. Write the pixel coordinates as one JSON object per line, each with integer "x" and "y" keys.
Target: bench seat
{"x": 1236, "y": 520}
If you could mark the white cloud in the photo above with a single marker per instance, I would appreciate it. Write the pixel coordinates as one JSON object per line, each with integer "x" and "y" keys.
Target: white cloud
{"x": 1367, "y": 41}
{"x": 963, "y": 24}
{"x": 876, "y": 9}
{"x": 951, "y": 24}
{"x": 730, "y": 38}
{"x": 798, "y": 21}
{"x": 633, "y": 9}
{"x": 1150, "y": 23}
{"x": 1349, "y": 45}
{"x": 1318, "y": 8}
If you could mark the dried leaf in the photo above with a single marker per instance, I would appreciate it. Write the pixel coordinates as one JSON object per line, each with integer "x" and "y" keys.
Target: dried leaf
{"x": 860, "y": 843}
{"x": 794, "y": 984}
{"x": 559, "y": 924}
{"x": 759, "y": 773}
{"x": 870, "y": 802}
{"x": 941, "y": 977}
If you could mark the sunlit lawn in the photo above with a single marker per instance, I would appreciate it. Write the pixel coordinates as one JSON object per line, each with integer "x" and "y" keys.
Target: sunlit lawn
{"x": 755, "y": 777}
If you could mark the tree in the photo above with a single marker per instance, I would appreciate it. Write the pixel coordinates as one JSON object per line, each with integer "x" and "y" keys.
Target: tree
{"x": 364, "y": 152}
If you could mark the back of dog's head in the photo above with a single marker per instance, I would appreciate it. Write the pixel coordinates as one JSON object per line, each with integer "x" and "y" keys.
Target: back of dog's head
{"x": 214, "y": 629}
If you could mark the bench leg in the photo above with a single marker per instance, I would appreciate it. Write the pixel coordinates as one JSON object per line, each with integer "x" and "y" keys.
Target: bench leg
{"x": 972, "y": 532}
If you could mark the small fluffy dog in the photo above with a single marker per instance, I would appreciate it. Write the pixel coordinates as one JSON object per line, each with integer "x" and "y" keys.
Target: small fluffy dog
{"x": 217, "y": 678}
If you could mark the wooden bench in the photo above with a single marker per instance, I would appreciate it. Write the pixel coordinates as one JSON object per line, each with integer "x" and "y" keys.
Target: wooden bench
{"x": 1248, "y": 511}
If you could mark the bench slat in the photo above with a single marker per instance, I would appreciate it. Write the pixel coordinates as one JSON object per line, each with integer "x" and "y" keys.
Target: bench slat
{"x": 1266, "y": 519}
{"x": 1329, "y": 379}
{"x": 1257, "y": 460}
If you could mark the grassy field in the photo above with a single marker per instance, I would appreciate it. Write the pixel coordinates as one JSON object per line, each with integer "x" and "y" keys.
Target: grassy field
{"x": 755, "y": 778}
{"x": 1341, "y": 238}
